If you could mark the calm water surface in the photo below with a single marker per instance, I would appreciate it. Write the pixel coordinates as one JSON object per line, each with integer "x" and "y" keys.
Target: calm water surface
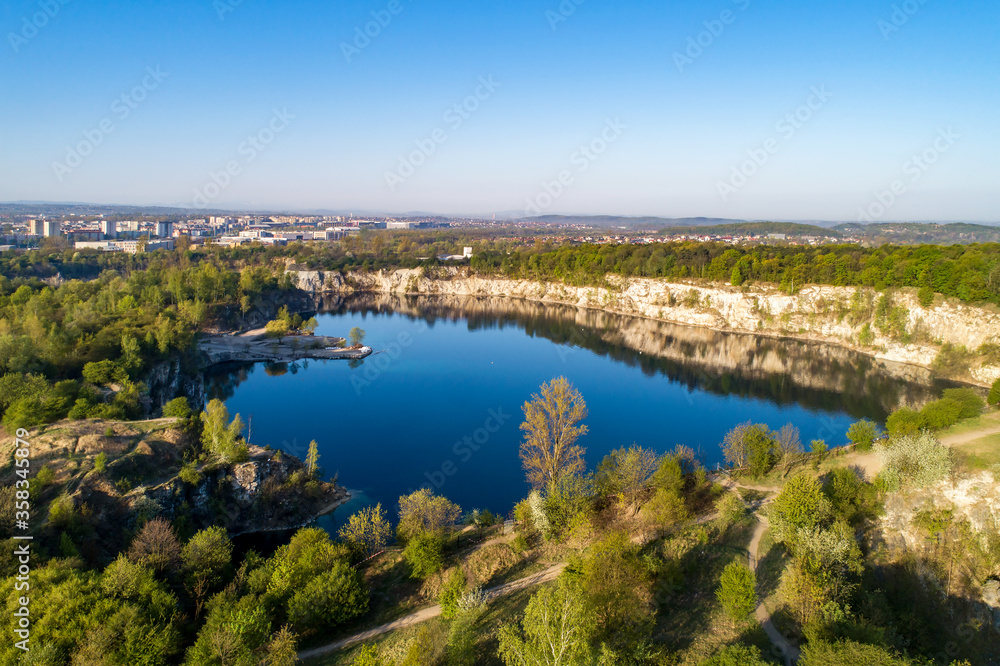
{"x": 441, "y": 406}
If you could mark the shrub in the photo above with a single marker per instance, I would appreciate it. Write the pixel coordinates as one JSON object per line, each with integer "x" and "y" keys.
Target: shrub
{"x": 731, "y": 508}
{"x": 904, "y": 421}
{"x": 952, "y": 360}
{"x": 863, "y": 434}
{"x": 177, "y": 408}
{"x": 941, "y": 413}
{"x": 925, "y": 296}
{"x": 994, "y": 396}
{"x": 189, "y": 474}
{"x": 913, "y": 461}
{"x": 454, "y": 588}
{"x": 101, "y": 462}
{"x": 737, "y": 591}
{"x": 331, "y": 598}
{"x": 423, "y": 511}
{"x": 972, "y": 403}
{"x": 424, "y": 554}
{"x": 368, "y": 530}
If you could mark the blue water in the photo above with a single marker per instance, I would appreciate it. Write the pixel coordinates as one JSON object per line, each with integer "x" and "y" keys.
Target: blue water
{"x": 442, "y": 407}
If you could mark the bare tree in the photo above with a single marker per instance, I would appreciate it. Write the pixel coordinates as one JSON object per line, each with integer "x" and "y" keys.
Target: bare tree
{"x": 789, "y": 445}
{"x": 551, "y": 429}
{"x": 156, "y": 545}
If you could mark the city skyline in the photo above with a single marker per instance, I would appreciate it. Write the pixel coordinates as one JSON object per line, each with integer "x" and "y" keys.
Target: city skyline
{"x": 732, "y": 109}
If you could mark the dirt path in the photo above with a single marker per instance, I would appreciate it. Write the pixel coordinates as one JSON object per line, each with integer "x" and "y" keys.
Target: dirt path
{"x": 425, "y": 614}
{"x": 971, "y": 436}
{"x": 763, "y": 615}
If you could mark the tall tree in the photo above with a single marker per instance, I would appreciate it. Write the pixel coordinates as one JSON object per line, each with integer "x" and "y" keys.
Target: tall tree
{"x": 312, "y": 458}
{"x": 558, "y": 628}
{"x": 551, "y": 428}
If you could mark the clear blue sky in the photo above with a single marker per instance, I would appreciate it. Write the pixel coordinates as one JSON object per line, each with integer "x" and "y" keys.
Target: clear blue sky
{"x": 560, "y": 83}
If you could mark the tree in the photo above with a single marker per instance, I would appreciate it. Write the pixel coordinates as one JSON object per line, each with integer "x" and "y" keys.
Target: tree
{"x": 556, "y": 630}
{"x": 219, "y": 436}
{"x": 994, "y": 397}
{"x": 913, "y": 461}
{"x": 424, "y": 554}
{"x": 156, "y": 546}
{"x": 737, "y": 591}
{"x": 277, "y": 328}
{"x": 788, "y": 445}
{"x": 970, "y": 399}
{"x": 423, "y": 511}
{"x": 368, "y": 530}
{"x": 356, "y": 336}
{"x": 738, "y": 655}
{"x": 904, "y": 421}
{"x": 206, "y": 560}
{"x": 310, "y": 325}
{"x": 801, "y": 503}
{"x": 626, "y": 474}
{"x": 331, "y": 598}
{"x": 177, "y": 408}
{"x": 551, "y": 429}
{"x": 737, "y": 277}
{"x": 312, "y": 459}
{"x": 863, "y": 434}
{"x": 100, "y": 462}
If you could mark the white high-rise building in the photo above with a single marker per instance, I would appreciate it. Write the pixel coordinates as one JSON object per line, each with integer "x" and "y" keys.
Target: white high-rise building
{"x": 36, "y": 227}
{"x": 51, "y": 228}
{"x": 109, "y": 228}
{"x": 164, "y": 229}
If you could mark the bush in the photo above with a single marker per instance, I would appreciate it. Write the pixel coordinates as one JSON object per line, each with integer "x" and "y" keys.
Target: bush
{"x": 994, "y": 397}
{"x": 972, "y": 403}
{"x": 177, "y": 408}
{"x": 863, "y": 434}
{"x": 731, "y": 508}
{"x": 941, "y": 413}
{"x": 904, "y": 421}
{"x": 329, "y": 599}
{"x": 454, "y": 588}
{"x": 952, "y": 360}
{"x": 913, "y": 461}
{"x": 424, "y": 554}
{"x": 101, "y": 462}
{"x": 925, "y": 296}
{"x": 738, "y": 591}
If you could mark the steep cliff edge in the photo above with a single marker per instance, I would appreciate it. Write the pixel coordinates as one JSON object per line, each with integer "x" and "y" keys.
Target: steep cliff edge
{"x": 899, "y": 329}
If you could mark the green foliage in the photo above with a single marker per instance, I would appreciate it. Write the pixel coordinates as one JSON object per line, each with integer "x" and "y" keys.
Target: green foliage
{"x": 356, "y": 336}
{"x": 102, "y": 373}
{"x": 568, "y": 503}
{"x": 863, "y": 434}
{"x": 913, "y": 461}
{"x": 219, "y": 436}
{"x": 177, "y": 408}
{"x": 801, "y": 504}
{"x": 454, "y": 588}
{"x": 849, "y": 653}
{"x": 850, "y": 497}
{"x": 329, "y": 599}
{"x": 556, "y": 631}
{"x": 189, "y": 474}
{"x": 941, "y": 413}
{"x": 904, "y": 421}
{"x": 206, "y": 556}
{"x": 424, "y": 512}
{"x": 925, "y": 296}
{"x": 424, "y": 554}
{"x": 100, "y": 462}
{"x": 737, "y": 591}
{"x": 952, "y": 360}
{"x": 994, "y": 397}
{"x": 367, "y": 530}
{"x": 312, "y": 459}
{"x": 751, "y": 447}
{"x": 970, "y": 399}
{"x": 277, "y": 328}
{"x": 626, "y": 473}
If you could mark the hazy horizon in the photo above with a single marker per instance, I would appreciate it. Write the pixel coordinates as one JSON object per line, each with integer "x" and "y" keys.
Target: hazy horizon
{"x": 733, "y": 109}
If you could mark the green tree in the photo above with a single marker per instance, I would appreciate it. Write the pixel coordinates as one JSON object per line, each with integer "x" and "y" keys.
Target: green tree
{"x": 737, "y": 277}
{"x": 737, "y": 591}
{"x": 626, "y": 474}
{"x": 100, "y": 462}
{"x": 994, "y": 397}
{"x": 219, "y": 436}
{"x": 206, "y": 562}
{"x": 312, "y": 459}
{"x": 737, "y": 655}
{"x": 356, "y": 336}
{"x": 556, "y": 630}
{"x": 329, "y": 599}
{"x": 424, "y": 554}
{"x": 551, "y": 428}
{"x": 863, "y": 434}
{"x": 801, "y": 504}
{"x": 904, "y": 421}
{"x": 422, "y": 511}
{"x": 970, "y": 399}
{"x": 369, "y": 530}
{"x": 177, "y": 408}
{"x": 277, "y": 328}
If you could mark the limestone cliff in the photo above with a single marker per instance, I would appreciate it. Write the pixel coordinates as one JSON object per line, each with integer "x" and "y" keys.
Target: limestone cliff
{"x": 817, "y": 313}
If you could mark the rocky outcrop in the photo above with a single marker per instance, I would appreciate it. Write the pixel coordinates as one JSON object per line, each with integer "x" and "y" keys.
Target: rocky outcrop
{"x": 818, "y": 313}
{"x": 168, "y": 380}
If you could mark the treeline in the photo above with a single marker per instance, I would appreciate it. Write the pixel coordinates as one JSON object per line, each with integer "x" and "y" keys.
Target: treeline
{"x": 83, "y": 347}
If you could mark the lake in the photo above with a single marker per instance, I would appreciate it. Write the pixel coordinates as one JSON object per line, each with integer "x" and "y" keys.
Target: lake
{"x": 439, "y": 404}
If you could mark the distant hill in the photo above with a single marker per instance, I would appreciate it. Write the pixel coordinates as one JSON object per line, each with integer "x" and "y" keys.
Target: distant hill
{"x": 756, "y": 228}
{"x": 909, "y": 233}
{"x": 610, "y": 221}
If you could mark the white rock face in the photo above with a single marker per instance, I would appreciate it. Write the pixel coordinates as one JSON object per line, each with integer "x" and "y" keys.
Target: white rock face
{"x": 814, "y": 313}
